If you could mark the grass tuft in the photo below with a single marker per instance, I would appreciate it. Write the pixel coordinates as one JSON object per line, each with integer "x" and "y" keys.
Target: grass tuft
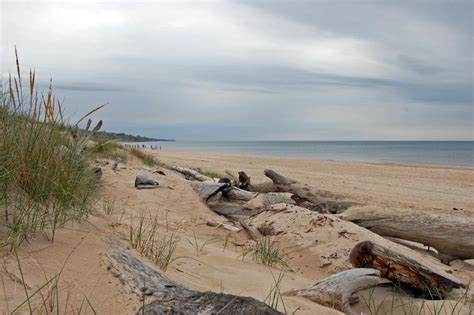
{"x": 268, "y": 252}
{"x": 45, "y": 177}
{"x": 146, "y": 239}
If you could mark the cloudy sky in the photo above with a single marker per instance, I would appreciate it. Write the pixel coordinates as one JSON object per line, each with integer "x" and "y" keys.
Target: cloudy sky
{"x": 255, "y": 70}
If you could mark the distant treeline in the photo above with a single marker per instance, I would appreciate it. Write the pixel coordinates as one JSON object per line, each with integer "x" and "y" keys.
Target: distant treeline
{"x": 106, "y": 136}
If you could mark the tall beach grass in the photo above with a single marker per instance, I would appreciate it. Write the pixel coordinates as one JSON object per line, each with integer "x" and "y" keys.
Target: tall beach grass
{"x": 45, "y": 179}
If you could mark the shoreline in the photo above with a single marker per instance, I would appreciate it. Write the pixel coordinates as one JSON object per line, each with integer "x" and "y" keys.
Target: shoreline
{"x": 369, "y": 162}
{"x": 424, "y": 187}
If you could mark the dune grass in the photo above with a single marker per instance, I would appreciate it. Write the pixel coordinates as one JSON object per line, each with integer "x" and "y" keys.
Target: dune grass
{"x": 45, "y": 179}
{"x": 146, "y": 237}
{"x": 147, "y": 159}
{"x": 267, "y": 252}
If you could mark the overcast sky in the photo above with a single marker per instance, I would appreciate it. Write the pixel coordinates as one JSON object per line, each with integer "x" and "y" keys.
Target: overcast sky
{"x": 255, "y": 70}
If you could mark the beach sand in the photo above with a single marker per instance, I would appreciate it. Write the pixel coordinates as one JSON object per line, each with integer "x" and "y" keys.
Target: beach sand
{"x": 205, "y": 259}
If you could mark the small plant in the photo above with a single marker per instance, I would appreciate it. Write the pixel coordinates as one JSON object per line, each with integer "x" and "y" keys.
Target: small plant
{"x": 145, "y": 238}
{"x": 274, "y": 295}
{"x": 147, "y": 159}
{"x": 195, "y": 243}
{"x": 108, "y": 207}
{"x": 267, "y": 252}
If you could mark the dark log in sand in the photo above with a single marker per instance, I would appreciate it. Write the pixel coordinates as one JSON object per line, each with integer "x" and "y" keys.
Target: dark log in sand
{"x": 451, "y": 235}
{"x": 169, "y": 297}
{"x": 327, "y": 201}
{"x": 336, "y": 291}
{"x": 144, "y": 182}
{"x": 405, "y": 268}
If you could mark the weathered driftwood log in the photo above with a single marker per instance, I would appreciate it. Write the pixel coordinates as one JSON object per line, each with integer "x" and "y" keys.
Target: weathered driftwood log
{"x": 327, "y": 201}
{"x": 336, "y": 291}
{"x": 192, "y": 174}
{"x": 451, "y": 235}
{"x": 245, "y": 183}
{"x": 144, "y": 182}
{"x": 405, "y": 268}
{"x": 261, "y": 201}
{"x": 208, "y": 189}
{"x": 169, "y": 297}
{"x": 235, "y": 193}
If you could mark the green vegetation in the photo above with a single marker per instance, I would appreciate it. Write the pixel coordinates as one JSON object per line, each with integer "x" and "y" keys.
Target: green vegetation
{"x": 45, "y": 178}
{"x": 145, "y": 238}
{"x": 267, "y": 252}
{"x": 147, "y": 159}
{"x": 108, "y": 150}
{"x": 107, "y": 136}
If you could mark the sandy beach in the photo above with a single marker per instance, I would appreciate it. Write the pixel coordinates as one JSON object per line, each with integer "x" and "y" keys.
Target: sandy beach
{"x": 427, "y": 187}
{"x": 210, "y": 259}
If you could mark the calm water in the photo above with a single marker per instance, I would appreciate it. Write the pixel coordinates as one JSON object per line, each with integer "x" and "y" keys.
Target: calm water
{"x": 431, "y": 152}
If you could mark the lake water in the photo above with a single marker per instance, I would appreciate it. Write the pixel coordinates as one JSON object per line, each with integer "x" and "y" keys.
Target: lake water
{"x": 429, "y": 152}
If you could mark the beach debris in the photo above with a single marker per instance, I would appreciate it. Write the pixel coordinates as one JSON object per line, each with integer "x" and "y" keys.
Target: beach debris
{"x": 407, "y": 267}
{"x": 324, "y": 200}
{"x": 168, "y": 296}
{"x": 337, "y": 290}
{"x": 97, "y": 171}
{"x": 264, "y": 200}
{"x": 191, "y": 174}
{"x": 227, "y": 227}
{"x": 267, "y": 229}
{"x": 144, "y": 182}
{"x": 159, "y": 172}
{"x": 451, "y": 235}
{"x": 114, "y": 165}
{"x": 207, "y": 189}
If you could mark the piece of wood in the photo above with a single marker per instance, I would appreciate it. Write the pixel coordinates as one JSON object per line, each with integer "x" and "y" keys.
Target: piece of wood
{"x": 451, "y": 235}
{"x": 336, "y": 291}
{"x": 326, "y": 200}
{"x": 207, "y": 189}
{"x": 164, "y": 296}
{"x": 235, "y": 193}
{"x": 192, "y": 174}
{"x": 261, "y": 201}
{"x": 144, "y": 182}
{"x": 406, "y": 268}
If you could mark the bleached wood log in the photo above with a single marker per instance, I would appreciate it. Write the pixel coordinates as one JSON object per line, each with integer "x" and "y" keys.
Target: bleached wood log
{"x": 189, "y": 173}
{"x": 207, "y": 189}
{"x": 262, "y": 201}
{"x": 326, "y": 200}
{"x": 235, "y": 193}
{"x": 451, "y": 235}
{"x": 164, "y": 296}
{"x": 337, "y": 290}
{"x": 404, "y": 268}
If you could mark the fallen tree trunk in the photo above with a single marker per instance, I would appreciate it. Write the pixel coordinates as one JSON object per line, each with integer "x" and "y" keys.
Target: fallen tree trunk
{"x": 208, "y": 189}
{"x": 192, "y": 174}
{"x": 451, "y": 235}
{"x": 169, "y": 297}
{"x": 405, "y": 268}
{"x": 336, "y": 291}
{"x": 325, "y": 201}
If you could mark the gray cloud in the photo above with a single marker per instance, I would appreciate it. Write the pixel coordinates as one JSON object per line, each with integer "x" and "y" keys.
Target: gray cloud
{"x": 256, "y": 70}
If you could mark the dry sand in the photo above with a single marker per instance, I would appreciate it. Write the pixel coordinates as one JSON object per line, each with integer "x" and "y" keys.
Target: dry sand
{"x": 205, "y": 261}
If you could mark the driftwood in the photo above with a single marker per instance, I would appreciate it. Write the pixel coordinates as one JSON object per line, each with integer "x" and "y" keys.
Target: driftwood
{"x": 169, "y": 297}
{"x": 405, "y": 268}
{"x": 235, "y": 193}
{"x": 262, "y": 201}
{"x": 451, "y": 235}
{"x": 336, "y": 291}
{"x": 325, "y": 201}
{"x": 192, "y": 174}
{"x": 208, "y": 189}
{"x": 144, "y": 182}
{"x": 245, "y": 183}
